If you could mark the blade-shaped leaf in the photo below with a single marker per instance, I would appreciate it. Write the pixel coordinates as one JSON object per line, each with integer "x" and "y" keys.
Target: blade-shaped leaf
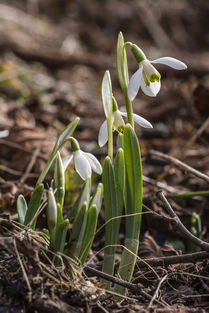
{"x": 97, "y": 197}
{"x": 83, "y": 197}
{"x": 134, "y": 185}
{"x": 60, "y": 237}
{"x": 78, "y": 231}
{"x": 59, "y": 179}
{"x": 110, "y": 202}
{"x": 119, "y": 170}
{"x": 61, "y": 140}
{"x": 21, "y": 208}
{"x": 34, "y": 204}
{"x": 89, "y": 233}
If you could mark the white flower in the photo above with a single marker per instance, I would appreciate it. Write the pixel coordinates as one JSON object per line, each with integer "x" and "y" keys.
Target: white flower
{"x": 117, "y": 122}
{"x": 84, "y": 162}
{"x": 148, "y": 78}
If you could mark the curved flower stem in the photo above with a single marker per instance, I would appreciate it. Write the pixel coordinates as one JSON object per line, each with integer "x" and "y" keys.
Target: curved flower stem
{"x": 110, "y": 138}
{"x": 129, "y": 108}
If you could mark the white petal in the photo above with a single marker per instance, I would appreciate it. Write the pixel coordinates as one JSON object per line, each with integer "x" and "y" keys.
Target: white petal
{"x": 82, "y": 165}
{"x": 118, "y": 120}
{"x": 94, "y": 163}
{"x": 151, "y": 90}
{"x": 107, "y": 94}
{"x": 103, "y": 134}
{"x": 139, "y": 120}
{"x": 134, "y": 84}
{"x": 66, "y": 161}
{"x": 172, "y": 62}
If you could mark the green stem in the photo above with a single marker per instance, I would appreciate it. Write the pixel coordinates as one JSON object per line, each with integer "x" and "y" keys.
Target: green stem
{"x": 110, "y": 138}
{"x": 189, "y": 194}
{"x": 129, "y": 108}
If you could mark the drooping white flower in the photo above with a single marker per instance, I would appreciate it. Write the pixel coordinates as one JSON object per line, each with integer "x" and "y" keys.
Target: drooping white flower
{"x": 147, "y": 77}
{"x": 118, "y": 122}
{"x": 84, "y": 163}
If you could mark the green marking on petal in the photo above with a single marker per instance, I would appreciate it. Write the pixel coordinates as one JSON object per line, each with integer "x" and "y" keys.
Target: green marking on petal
{"x": 155, "y": 77}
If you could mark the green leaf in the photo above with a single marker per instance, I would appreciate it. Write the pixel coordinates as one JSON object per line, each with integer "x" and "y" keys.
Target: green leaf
{"x": 34, "y": 205}
{"x": 83, "y": 197}
{"x": 60, "y": 237}
{"x": 89, "y": 233}
{"x": 97, "y": 198}
{"x": 59, "y": 179}
{"x": 110, "y": 202}
{"x": 66, "y": 133}
{"x": 122, "y": 66}
{"x": 133, "y": 205}
{"x": 119, "y": 170}
{"x": 21, "y": 208}
{"x": 107, "y": 94}
{"x": 61, "y": 140}
{"x": 134, "y": 184}
{"x": 78, "y": 231}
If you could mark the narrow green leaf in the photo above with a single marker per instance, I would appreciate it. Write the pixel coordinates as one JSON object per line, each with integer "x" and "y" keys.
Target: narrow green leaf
{"x": 97, "y": 198}
{"x": 66, "y": 133}
{"x": 83, "y": 197}
{"x": 89, "y": 233}
{"x": 21, "y": 208}
{"x": 78, "y": 231}
{"x": 59, "y": 179}
{"x": 133, "y": 205}
{"x": 134, "y": 184}
{"x": 119, "y": 170}
{"x": 34, "y": 204}
{"x": 60, "y": 237}
{"x": 61, "y": 140}
{"x": 110, "y": 202}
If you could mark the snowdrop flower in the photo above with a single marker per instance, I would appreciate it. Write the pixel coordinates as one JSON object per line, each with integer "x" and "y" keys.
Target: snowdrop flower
{"x": 147, "y": 77}
{"x": 118, "y": 122}
{"x": 84, "y": 162}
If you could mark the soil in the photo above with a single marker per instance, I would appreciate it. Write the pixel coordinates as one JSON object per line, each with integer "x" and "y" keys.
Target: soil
{"x": 53, "y": 55}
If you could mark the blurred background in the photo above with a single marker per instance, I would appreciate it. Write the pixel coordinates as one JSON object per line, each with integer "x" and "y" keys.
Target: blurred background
{"x": 53, "y": 55}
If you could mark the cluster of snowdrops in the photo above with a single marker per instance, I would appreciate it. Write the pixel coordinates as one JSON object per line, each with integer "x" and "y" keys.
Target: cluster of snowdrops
{"x": 121, "y": 186}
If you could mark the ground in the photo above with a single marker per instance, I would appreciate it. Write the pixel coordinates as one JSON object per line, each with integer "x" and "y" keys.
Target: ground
{"x": 52, "y": 59}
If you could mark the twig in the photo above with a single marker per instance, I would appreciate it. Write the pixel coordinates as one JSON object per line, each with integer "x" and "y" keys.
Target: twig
{"x": 204, "y": 126}
{"x": 180, "y": 164}
{"x": 23, "y": 270}
{"x": 160, "y": 185}
{"x": 200, "y": 243}
{"x": 20, "y": 147}
{"x": 30, "y": 165}
{"x": 157, "y": 290}
{"x": 174, "y": 259}
{"x": 16, "y": 173}
{"x": 137, "y": 288}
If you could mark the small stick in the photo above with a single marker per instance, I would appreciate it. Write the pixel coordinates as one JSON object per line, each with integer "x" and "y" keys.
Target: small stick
{"x": 200, "y": 243}
{"x": 30, "y": 164}
{"x": 199, "y": 132}
{"x": 137, "y": 288}
{"x": 180, "y": 164}
{"x": 157, "y": 290}
{"x": 174, "y": 259}
{"x": 17, "y": 146}
{"x": 24, "y": 272}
